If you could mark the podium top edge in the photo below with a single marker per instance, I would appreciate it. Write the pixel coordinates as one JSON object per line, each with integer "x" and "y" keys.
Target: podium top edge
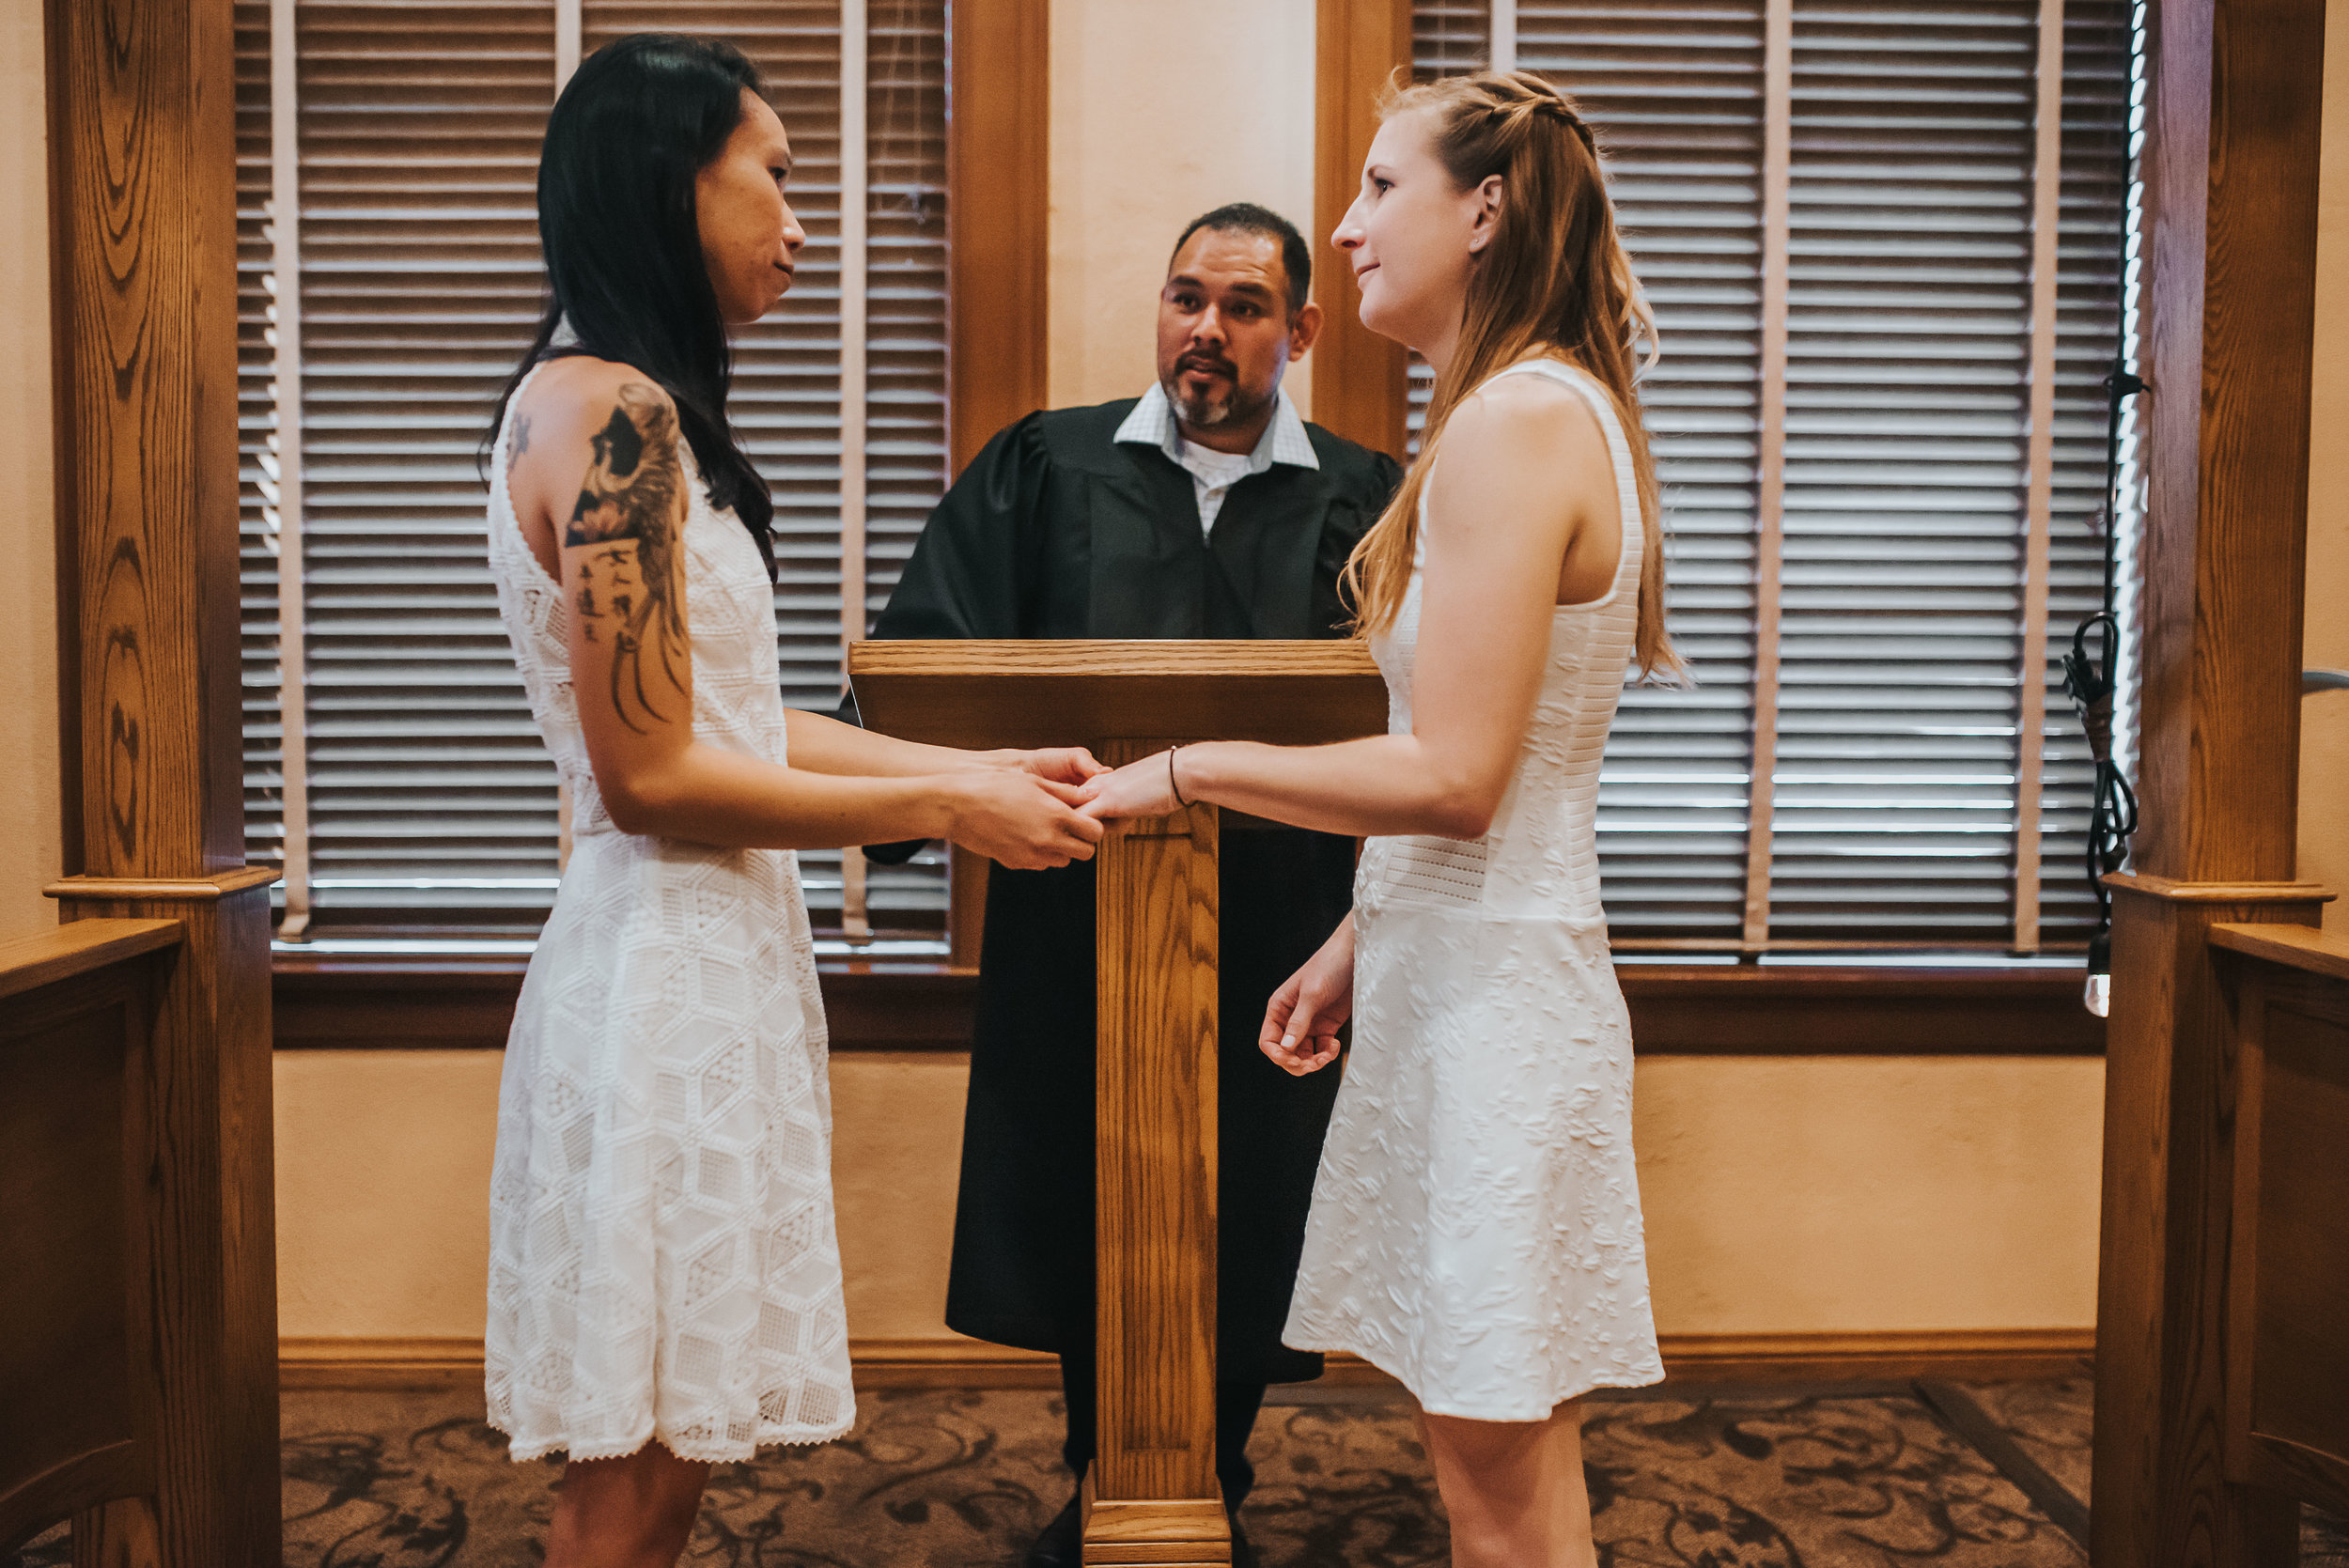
{"x": 1184, "y": 657}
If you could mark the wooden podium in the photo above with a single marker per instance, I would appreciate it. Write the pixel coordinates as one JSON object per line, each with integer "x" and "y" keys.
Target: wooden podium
{"x": 1151, "y": 1497}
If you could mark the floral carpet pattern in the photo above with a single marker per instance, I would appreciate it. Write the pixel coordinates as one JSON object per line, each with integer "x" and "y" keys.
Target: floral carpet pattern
{"x": 1852, "y": 1476}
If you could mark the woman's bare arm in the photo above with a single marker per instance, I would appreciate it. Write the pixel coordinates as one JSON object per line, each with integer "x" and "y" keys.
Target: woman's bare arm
{"x": 822, "y": 744}
{"x": 606, "y": 437}
{"x": 1521, "y": 509}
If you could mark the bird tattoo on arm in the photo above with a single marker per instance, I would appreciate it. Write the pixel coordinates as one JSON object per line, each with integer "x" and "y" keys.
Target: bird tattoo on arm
{"x": 627, "y": 586}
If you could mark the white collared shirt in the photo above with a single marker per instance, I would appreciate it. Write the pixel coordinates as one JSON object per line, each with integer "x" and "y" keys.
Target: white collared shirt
{"x": 1213, "y": 474}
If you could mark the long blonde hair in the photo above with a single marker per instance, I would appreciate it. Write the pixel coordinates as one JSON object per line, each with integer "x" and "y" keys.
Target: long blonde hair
{"x": 1553, "y": 282}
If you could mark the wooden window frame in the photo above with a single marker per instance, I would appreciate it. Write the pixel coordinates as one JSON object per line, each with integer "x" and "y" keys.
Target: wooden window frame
{"x": 998, "y": 268}
{"x": 1359, "y": 380}
{"x": 325, "y": 1002}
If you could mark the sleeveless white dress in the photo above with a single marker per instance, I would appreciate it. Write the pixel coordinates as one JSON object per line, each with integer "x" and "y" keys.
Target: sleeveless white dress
{"x": 1475, "y": 1224}
{"x": 662, "y": 1260}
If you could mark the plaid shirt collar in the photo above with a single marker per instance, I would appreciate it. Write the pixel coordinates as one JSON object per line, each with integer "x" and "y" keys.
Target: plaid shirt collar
{"x": 1152, "y": 423}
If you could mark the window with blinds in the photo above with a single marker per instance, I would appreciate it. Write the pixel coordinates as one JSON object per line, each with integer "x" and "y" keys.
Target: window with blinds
{"x": 390, "y": 279}
{"x": 1878, "y": 553}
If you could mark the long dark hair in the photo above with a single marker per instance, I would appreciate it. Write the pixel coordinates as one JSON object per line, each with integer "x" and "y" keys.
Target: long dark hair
{"x": 639, "y": 119}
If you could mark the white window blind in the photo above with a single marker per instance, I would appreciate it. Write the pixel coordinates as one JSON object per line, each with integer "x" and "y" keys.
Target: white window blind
{"x": 429, "y": 798}
{"x": 1874, "y": 565}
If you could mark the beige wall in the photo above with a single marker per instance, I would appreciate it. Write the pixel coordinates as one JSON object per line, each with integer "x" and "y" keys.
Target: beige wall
{"x": 29, "y": 804}
{"x": 2325, "y": 718}
{"x": 1782, "y": 1194}
{"x": 1161, "y": 113}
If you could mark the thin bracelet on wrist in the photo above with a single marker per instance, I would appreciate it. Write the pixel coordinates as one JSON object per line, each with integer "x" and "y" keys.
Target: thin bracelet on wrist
{"x": 1174, "y": 788}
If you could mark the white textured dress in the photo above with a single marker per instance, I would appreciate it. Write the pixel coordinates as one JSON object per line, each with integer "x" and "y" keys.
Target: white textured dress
{"x": 1476, "y": 1225}
{"x": 662, "y": 1261}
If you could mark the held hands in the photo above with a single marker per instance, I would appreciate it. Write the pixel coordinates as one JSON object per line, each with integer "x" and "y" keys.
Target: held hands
{"x": 1144, "y": 788}
{"x": 1069, "y": 765}
{"x": 1301, "y": 1021}
{"x": 1020, "y": 807}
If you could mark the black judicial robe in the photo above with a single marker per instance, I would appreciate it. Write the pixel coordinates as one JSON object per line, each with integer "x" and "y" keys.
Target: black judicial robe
{"x": 1057, "y": 531}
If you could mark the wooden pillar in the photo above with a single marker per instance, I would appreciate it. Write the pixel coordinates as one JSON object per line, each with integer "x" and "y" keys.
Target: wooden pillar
{"x": 999, "y": 173}
{"x": 1361, "y": 380}
{"x": 1151, "y": 1496}
{"x": 143, "y": 200}
{"x": 2235, "y": 91}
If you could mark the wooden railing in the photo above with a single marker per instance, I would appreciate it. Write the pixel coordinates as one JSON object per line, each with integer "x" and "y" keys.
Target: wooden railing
{"x": 111, "y": 1376}
{"x": 2222, "y": 1371}
{"x": 2285, "y": 1411}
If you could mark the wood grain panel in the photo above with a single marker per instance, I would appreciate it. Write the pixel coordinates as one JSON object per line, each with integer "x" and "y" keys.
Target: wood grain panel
{"x": 67, "y": 1053}
{"x": 998, "y": 293}
{"x": 210, "y": 1221}
{"x": 142, "y": 178}
{"x": 1360, "y": 380}
{"x": 1155, "y": 1165}
{"x": 2298, "y": 947}
{"x": 2287, "y": 1361}
{"x": 1176, "y": 1533}
{"x": 998, "y": 172}
{"x": 966, "y": 909}
{"x": 2237, "y": 89}
{"x": 120, "y": 1534}
{"x": 143, "y": 161}
{"x": 1072, "y": 692}
{"x": 2160, "y": 1497}
{"x": 88, "y": 1150}
{"x": 74, "y": 950}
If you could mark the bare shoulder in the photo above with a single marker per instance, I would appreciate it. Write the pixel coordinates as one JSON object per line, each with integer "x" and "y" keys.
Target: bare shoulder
{"x": 1524, "y": 412}
{"x": 575, "y": 396}
{"x": 1521, "y": 430}
{"x": 588, "y": 435}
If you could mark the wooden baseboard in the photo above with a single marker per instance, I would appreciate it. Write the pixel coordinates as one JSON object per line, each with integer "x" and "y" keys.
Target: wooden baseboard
{"x": 1976, "y": 1355}
{"x": 1956, "y": 1354}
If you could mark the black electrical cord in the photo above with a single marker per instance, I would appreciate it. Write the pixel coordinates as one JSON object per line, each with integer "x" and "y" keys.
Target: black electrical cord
{"x": 2088, "y": 678}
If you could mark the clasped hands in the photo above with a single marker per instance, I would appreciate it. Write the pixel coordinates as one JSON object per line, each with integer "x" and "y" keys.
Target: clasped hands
{"x": 1044, "y": 808}
{"x": 1302, "y": 1018}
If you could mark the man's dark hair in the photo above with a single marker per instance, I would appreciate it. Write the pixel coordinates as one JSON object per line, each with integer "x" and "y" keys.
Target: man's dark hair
{"x": 1246, "y": 217}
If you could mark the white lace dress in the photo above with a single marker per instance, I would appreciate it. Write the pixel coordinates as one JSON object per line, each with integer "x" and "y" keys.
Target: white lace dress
{"x": 662, "y": 1262}
{"x": 1476, "y": 1225}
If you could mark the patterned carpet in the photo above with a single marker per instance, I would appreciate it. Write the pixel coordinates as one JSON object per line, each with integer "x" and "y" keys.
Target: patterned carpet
{"x": 1848, "y": 1476}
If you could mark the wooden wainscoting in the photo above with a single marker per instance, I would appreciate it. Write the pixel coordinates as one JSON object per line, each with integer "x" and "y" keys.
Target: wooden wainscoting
{"x": 1983, "y": 1355}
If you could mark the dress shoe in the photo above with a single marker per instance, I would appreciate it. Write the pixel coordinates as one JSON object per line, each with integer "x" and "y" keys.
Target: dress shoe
{"x": 1062, "y": 1544}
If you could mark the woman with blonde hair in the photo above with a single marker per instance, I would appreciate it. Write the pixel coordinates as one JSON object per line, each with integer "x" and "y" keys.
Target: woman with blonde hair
{"x": 1475, "y": 1227}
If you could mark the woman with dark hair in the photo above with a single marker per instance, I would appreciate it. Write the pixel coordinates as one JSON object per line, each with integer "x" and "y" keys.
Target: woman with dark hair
{"x": 664, "y": 1283}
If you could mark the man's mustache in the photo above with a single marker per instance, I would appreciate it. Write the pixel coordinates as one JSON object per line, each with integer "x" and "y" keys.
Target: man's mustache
{"x": 1206, "y": 362}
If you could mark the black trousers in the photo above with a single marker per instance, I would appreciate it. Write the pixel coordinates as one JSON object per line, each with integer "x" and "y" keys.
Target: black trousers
{"x": 1235, "y": 1408}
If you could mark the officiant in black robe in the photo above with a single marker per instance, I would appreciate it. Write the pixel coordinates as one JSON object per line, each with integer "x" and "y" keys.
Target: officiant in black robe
{"x": 1205, "y": 508}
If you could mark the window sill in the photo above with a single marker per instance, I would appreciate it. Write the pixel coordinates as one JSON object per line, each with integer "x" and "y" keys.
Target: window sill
{"x": 442, "y": 1001}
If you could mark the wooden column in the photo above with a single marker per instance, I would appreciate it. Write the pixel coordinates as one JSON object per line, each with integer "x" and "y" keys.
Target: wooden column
{"x": 1152, "y": 1495}
{"x": 2236, "y": 92}
{"x": 998, "y": 222}
{"x": 1361, "y": 380}
{"x": 142, "y": 162}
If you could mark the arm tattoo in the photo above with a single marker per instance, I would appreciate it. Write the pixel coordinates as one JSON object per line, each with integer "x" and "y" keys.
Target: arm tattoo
{"x": 625, "y": 586}
{"x": 521, "y": 442}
